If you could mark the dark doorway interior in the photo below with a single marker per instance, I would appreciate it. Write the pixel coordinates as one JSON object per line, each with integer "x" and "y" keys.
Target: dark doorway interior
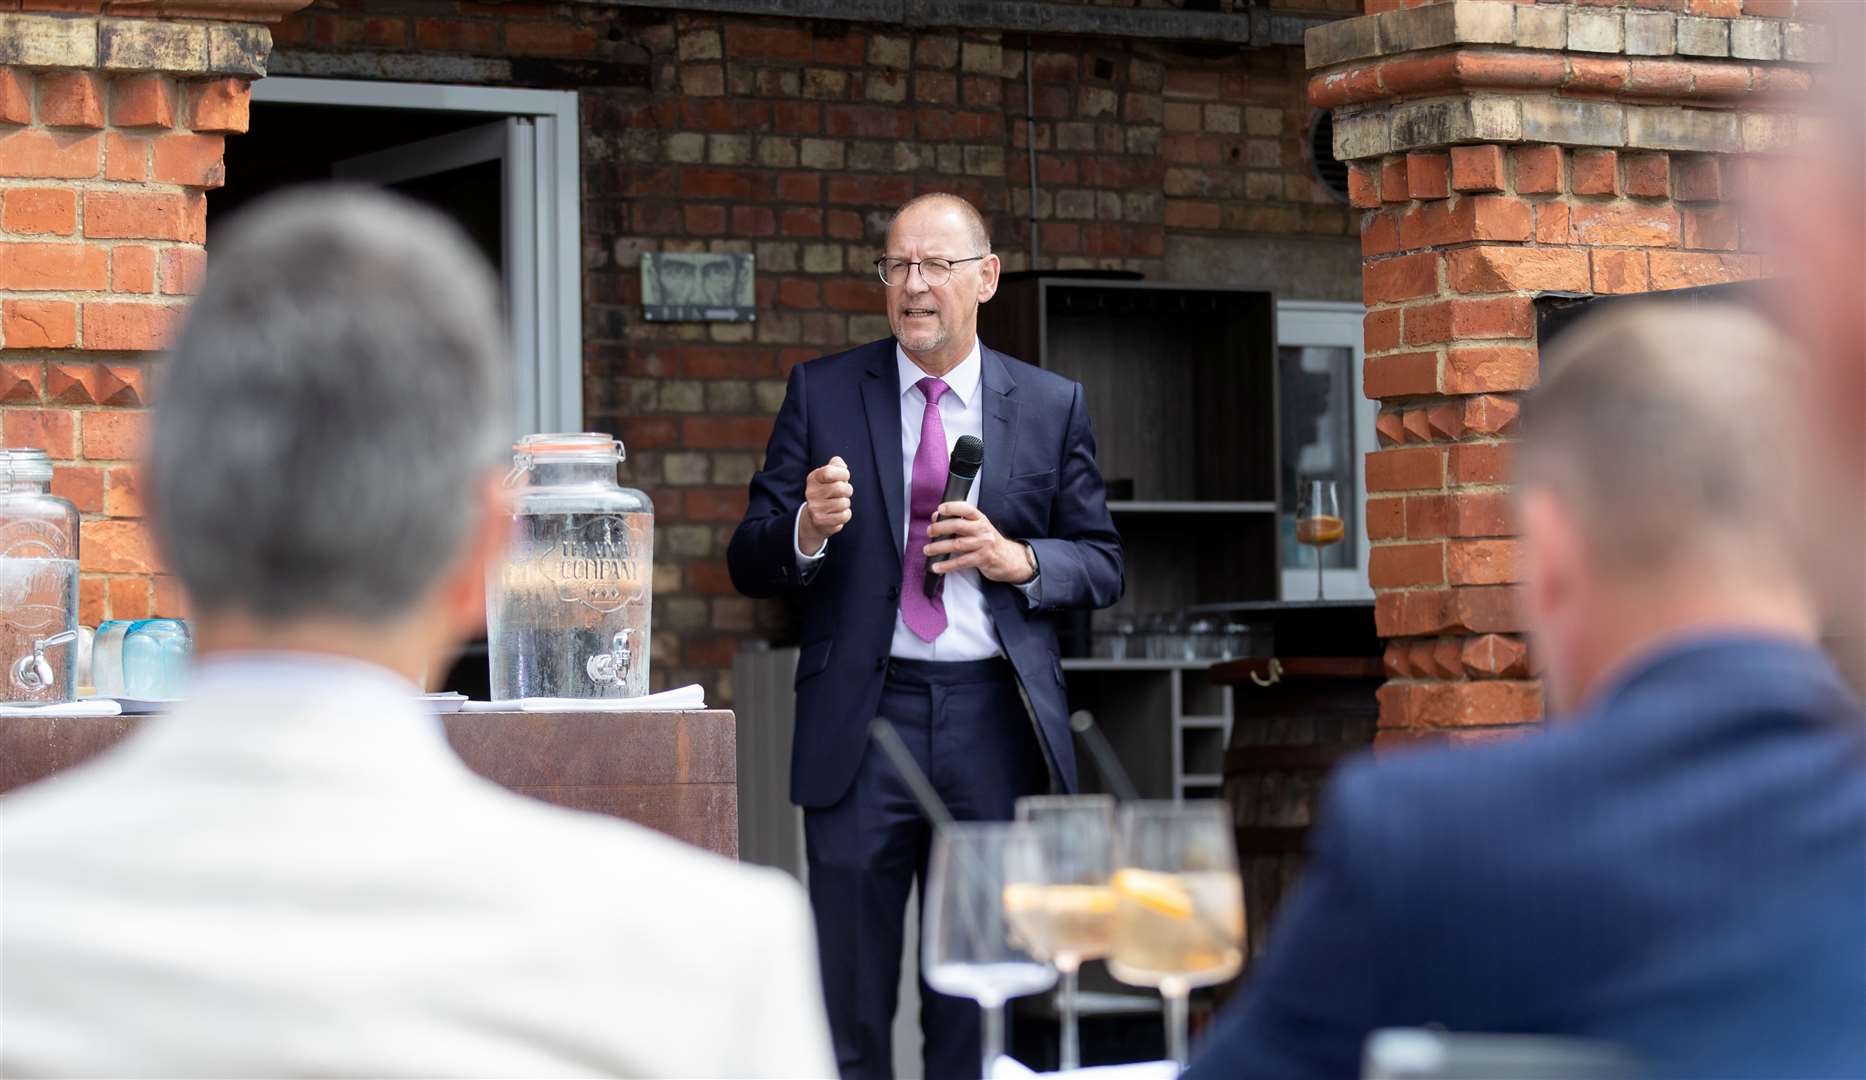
{"x": 301, "y": 144}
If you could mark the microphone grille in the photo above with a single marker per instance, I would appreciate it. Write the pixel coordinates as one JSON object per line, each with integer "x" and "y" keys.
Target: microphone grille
{"x": 967, "y": 455}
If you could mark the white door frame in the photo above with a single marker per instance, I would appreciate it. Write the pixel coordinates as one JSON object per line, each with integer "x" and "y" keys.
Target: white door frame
{"x": 543, "y": 222}
{"x": 1335, "y": 324}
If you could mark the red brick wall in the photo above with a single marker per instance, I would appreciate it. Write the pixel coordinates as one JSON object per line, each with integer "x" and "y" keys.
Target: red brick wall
{"x": 793, "y": 140}
{"x": 1457, "y": 246}
{"x": 102, "y": 217}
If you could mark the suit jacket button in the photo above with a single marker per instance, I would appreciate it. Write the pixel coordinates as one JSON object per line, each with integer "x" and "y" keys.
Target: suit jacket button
{"x": 880, "y": 662}
{"x": 894, "y": 593}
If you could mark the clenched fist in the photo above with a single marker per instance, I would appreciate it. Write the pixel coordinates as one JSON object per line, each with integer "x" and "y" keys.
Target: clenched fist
{"x": 826, "y": 495}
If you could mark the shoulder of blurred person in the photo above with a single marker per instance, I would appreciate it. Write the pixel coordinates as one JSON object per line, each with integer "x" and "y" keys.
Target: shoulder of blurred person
{"x": 1673, "y": 865}
{"x": 1676, "y": 871}
{"x": 263, "y": 904}
{"x": 293, "y": 873}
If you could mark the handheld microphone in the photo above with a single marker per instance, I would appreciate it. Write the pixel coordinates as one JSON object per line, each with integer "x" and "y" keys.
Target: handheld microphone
{"x": 967, "y": 455}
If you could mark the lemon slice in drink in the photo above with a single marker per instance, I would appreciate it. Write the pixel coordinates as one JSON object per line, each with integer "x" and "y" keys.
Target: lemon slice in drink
{"x": 1157, "y": 892}
{"x": 1082, "y": 899}
{"x": 1060, "y": 899}
{"x": 1020, "y": 898}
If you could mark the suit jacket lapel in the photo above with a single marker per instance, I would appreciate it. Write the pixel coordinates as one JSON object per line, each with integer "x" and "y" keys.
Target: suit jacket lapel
{"x": 881, "y": 401}
{"x": 1000, "y": 430}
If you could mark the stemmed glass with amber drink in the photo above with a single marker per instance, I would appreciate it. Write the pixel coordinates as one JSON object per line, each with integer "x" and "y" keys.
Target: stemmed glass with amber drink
{"x": 1318, "y": 521}
{"x": 1061, "y": 907}
{"x": 1179, "y": 904}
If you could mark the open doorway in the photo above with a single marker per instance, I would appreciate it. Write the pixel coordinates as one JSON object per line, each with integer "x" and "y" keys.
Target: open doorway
{"x": 500, "y": 163}
{"x": 296, "y": 144}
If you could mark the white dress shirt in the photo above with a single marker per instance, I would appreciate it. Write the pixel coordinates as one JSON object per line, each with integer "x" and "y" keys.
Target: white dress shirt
{"x": 969, "y": 634}
{"x": 293, "y": 875}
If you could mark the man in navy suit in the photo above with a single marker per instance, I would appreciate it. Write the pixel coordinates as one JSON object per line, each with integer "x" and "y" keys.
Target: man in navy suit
{"x": 843, "y": 515}
{"x": 1679, "y": 866}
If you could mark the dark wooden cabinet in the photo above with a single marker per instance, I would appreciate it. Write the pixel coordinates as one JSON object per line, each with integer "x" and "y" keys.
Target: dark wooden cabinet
{"x": 1180, "y": 383}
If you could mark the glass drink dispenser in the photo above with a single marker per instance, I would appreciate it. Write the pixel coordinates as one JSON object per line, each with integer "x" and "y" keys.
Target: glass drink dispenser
{"x": 38, "y": 583}
{"x": 567, "y": 612}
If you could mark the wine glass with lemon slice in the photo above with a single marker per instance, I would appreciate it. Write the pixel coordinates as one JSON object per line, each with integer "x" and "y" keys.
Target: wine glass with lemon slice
{"x": 1179, "y": 904}
{"x": 1063, "y": 907}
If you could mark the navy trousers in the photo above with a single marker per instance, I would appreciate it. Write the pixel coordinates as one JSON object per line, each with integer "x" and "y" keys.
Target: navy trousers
{"x": 966, "y": 726}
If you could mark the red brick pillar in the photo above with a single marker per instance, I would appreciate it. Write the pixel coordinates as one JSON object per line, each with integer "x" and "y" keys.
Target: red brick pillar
{"x": 111, "y": 131}
{"x": 1500, "y": 151}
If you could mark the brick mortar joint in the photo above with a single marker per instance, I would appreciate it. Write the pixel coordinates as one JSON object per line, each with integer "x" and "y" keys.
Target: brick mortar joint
{"x": 1402, "y": 349}
{"x": 1434, "y": 680}
{"x": 1492, "y": 488}
{"x": 44, "y": 405}
{"x": 82, "y": 184}
{"x": 79, "y": 296}
{"x": 1494, "y": 50}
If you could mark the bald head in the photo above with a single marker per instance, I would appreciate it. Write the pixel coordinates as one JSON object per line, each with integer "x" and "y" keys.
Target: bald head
{"x": 945, "y": 271}
{"x": 973, "y": 222}
{"x": 1662, "y": 426}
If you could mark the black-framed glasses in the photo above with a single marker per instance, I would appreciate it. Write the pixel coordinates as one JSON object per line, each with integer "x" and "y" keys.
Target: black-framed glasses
{"x": 932, "y": 271}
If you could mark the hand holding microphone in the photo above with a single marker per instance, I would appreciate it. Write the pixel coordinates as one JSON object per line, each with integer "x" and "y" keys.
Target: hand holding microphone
{"x": 967, "y": 455}
{"x": 963, "y": 538}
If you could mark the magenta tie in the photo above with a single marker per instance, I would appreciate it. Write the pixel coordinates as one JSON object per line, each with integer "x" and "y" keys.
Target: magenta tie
{"x": 924, "y": 615}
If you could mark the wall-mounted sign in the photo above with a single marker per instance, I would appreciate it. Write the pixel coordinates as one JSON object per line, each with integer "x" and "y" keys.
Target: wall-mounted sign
{"x": 704, "y": 286}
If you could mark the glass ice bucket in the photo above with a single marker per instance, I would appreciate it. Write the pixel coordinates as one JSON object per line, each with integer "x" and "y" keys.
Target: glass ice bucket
{"x": 567, "y": 610}
{"x": 38, "y": 583}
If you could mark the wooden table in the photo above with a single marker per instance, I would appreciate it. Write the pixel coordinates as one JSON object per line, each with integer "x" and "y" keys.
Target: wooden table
{"x": 675, "y": 772}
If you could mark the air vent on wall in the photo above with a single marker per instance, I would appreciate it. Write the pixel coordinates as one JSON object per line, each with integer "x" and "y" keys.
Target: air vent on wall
{"x": 1332, "y": 174}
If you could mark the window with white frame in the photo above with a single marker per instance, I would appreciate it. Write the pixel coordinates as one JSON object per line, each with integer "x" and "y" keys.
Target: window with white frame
{"x": 1326, "y": 426}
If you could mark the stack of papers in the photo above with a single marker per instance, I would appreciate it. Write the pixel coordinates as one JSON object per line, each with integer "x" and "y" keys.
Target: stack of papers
{"x": 676, "y": 700}
{"x": 87, "y": 707}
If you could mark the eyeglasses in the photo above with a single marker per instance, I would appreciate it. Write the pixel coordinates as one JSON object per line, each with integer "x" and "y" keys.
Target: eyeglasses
{"x": 932, "y": 271}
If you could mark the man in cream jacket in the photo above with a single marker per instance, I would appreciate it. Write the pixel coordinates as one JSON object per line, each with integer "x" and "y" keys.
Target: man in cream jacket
{"x": 292, "y": 874}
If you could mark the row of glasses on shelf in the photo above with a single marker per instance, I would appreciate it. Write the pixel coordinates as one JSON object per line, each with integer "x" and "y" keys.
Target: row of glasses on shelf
{"x": 1173, "y": 636}
{"x": 1151, "y": 887}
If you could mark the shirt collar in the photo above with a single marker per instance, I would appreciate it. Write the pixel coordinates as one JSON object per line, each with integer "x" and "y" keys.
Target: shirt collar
{"x": 307, "y": 714}
{"x": 244, "y": 671}
{"x": 961, "y": 380}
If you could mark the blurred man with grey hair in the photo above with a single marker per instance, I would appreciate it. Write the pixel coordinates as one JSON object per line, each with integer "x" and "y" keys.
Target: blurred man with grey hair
{"x": 1677, "y": 867}
{"x": 292, "y": 874}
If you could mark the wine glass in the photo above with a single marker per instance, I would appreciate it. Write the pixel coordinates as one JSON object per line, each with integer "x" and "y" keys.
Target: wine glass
{"x": 1179, "y": 915}
{"x": 1062, "y": 907}
{"x": 967, "y": 948}
{"x": 1318, "y": 521}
